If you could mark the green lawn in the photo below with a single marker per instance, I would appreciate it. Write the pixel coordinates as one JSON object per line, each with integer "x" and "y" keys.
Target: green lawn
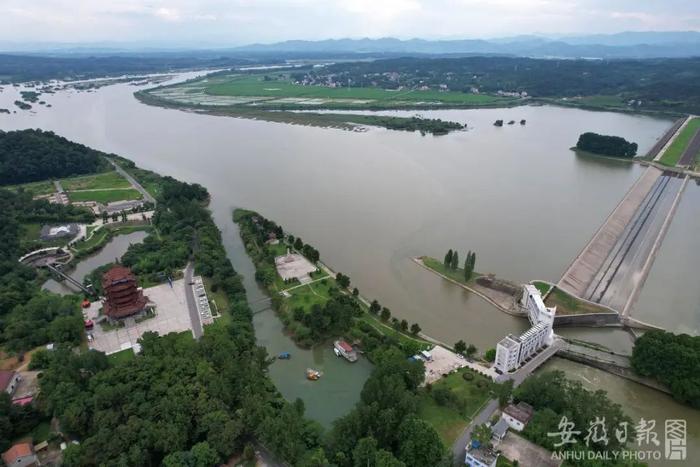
{"x": 105, "y": 196}
{"x": 454, "y": 274}
{"x": 543, "y": 287}
{"x": 121, "y": 356}
{"x": 676, "y": 149}
{"x": 312, "y": 294}
{"x": 96, "y": 182}
{"x": 449, "y": 421}
{"x": 569, "y": 305}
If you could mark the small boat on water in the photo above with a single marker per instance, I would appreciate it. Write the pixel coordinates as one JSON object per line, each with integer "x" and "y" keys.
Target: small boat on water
{"x": 312, "y": 374}
{"x": 345, "y": 350}
{"x": 284, "y": 356}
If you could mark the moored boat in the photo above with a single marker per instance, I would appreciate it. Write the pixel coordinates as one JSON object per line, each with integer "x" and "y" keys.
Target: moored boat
{"x": 343, "y": 349}
{"x": 312, "y": 374}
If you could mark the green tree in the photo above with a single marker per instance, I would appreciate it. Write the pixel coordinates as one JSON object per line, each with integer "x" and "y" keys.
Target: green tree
{"x": 460, "y": 346}
{"x": 448, "y": 259}
{"x": 374, "y": 307}
{"x": 483, "y": 434}
{"x": 403, "y": 325}
{"x": 419, "y": 444}
{"x": 415, "y": 329}
{"x": 490, "y": 355}
{"x": 471, "y": 350}
{"x": 386, "y": 314}
{"x": 455, "y": 260}
{"x": 503, "y": 391}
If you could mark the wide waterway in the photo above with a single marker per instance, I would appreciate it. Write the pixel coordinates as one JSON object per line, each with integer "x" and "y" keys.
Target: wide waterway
{"x": 370, "y": 201}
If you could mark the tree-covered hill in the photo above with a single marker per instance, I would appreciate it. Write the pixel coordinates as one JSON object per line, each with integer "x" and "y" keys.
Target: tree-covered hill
{"x": 33, "y": 155}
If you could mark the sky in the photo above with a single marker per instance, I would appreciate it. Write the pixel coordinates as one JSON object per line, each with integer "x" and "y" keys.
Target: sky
{"x": 238, "y": 22}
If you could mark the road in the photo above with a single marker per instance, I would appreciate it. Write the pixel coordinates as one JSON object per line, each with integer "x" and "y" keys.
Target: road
{"x": 460, "y": 445}
{"x": 146, "y": 195}
{"x": 191, "y": 303}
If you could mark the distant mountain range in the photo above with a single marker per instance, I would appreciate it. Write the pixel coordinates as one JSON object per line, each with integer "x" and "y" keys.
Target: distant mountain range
{"x": 621, "y": 45}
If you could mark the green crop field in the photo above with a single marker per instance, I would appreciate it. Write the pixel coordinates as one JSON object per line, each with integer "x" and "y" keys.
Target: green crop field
{"x": 96, "y": 182}
{"x": 253, "y": 86}
{"x": 675, "y": 150}
{"x": 104, "y": 196}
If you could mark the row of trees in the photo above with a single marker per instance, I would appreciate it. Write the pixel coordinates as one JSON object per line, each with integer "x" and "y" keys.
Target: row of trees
{"x": 451, "y": 261}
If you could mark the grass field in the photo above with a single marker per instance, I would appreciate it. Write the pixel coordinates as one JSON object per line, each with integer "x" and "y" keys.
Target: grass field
{"x": 105, "y": 196}
{"x": 255, "y": 86}
{"x": 675, "y": 150}
{"x": 454, "y": 274}
{"x": 35, "y": 188}
{"x": 121, "y": 356}
{"x": 309, "y": 295}
{"x": 101, "y": 181}
{"x": 568, "y": 305}
{"x": 543, "y": 287}
{"x": 449, "y": 421}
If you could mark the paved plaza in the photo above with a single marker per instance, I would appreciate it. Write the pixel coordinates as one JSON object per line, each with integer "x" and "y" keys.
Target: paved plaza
{"x": 443, "y": 362}
{"x": 294, "y": 266}
{"x": 172, "y": 315}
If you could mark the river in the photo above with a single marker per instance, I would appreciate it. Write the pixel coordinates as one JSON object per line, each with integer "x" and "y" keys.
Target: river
{"x": 370, "y": 201}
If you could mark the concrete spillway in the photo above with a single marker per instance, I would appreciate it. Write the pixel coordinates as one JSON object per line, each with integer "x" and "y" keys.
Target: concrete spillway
{"x": 613, "y": 265}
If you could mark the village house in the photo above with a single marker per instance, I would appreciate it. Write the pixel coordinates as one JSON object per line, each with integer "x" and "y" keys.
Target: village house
{"x": 9, "y": 380}
{"x": 19, "y": 455}
{"x": 517, "y": 416}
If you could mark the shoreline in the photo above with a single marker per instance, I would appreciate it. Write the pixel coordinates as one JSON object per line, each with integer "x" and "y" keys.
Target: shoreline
{"x": 419, "y": 261}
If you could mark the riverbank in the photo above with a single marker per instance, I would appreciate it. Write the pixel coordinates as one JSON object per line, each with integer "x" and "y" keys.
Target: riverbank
{"x": 318, "y": 305}
{"x": 506, "y": 302}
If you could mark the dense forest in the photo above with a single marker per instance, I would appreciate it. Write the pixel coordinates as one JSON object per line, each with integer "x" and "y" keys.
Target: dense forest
{"x": 29, "y": 317}
{"x": 34, "y": 155}
{"x": 668, "y": 84}
{"x": 21, "y": 68}
{"x": 553, "y": 396}
{"x": 605, "y": 145}
{"x": 674, "y": 360}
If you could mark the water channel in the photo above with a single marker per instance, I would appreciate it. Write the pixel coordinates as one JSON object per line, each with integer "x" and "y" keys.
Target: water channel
{"x": 370, "y": 201}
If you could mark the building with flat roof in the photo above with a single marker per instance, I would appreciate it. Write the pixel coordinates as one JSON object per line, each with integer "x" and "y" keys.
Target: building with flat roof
{"x": 512, "y": 351}
{"x": 479, "y": 456}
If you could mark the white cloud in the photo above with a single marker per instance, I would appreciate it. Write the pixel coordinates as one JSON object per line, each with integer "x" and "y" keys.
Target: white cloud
{"x": 230, "y": 22}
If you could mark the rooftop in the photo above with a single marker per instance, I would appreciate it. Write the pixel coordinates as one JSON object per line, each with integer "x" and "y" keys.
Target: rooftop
{"x": 521, "y": 412}
{"x": 5, "y": 378}
{"x": 18, "y": 450}
{"x": 510, "y": 341}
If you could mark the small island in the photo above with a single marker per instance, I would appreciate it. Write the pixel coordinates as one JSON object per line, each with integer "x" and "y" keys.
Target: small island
{"x": 604, "y": 145}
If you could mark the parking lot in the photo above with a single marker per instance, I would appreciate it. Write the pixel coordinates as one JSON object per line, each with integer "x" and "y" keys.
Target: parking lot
{"x": 171, "y": 315}
{"x": 443, "y": 362}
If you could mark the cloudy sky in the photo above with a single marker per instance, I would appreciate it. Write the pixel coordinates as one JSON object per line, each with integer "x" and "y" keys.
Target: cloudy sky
{"x": 237, "y": 22}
